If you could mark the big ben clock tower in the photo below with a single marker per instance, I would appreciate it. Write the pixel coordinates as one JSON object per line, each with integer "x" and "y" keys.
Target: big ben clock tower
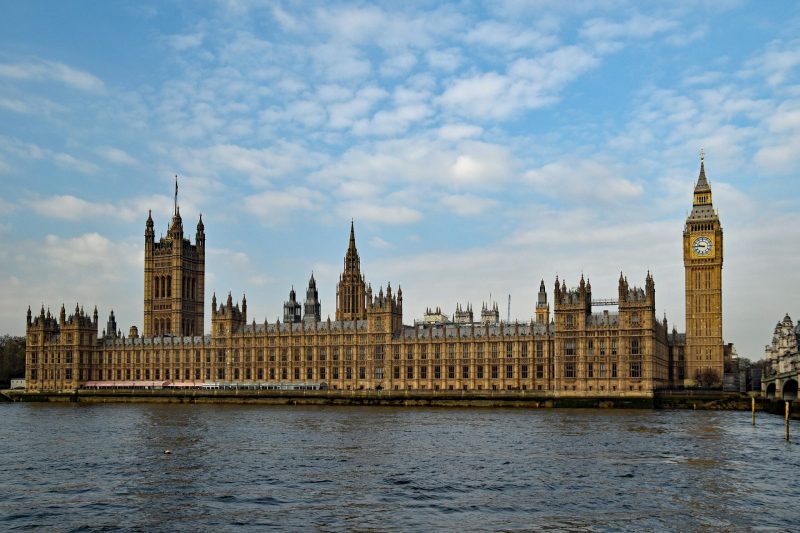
{"x": 702, "y": 261}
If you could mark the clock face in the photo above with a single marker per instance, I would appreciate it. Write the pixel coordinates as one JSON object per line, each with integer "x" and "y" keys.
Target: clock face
{"x": 702, "y": 246}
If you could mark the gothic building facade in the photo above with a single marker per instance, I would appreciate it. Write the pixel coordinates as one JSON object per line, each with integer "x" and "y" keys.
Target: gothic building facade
{"x": 586, "y": 347}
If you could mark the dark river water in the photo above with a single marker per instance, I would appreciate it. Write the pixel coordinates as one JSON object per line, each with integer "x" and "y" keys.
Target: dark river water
{"x": 103, "y": 468}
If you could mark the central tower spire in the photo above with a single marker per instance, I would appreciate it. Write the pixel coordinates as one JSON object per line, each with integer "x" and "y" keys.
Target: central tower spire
{"x": 351, "y": 289}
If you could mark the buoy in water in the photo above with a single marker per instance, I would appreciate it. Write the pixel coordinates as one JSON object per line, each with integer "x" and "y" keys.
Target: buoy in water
{"x": 167, "y": 452}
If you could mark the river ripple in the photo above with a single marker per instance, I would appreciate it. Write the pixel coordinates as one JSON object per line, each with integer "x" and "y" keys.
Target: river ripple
{"x": 103, "y": 468}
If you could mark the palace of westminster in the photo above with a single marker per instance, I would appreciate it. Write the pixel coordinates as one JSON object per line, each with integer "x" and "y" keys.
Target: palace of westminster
{"x": 573, "y": 351}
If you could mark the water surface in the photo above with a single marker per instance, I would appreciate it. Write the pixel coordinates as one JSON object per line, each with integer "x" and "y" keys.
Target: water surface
{"x": 103, "y": 467}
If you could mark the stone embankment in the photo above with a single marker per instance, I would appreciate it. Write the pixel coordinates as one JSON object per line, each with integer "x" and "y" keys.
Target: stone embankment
{"x": 708, "y": 400}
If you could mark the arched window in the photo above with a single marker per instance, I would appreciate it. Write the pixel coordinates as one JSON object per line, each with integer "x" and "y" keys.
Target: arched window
{"x": 168, "y": 329}
{"x": 163, "y": 286}
{"x": 169, "y": 286}
{"x": 155, "y": 287}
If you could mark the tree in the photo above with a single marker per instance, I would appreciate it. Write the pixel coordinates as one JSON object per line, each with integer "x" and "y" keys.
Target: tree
{"x": 707, "y": 378}
{"x": 12, "y": 359}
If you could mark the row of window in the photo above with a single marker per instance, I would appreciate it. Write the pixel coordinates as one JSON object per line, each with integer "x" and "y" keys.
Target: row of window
{"x": 452, "y": 371}
{"x": 602, "y": 370}
{"x": 633, "y": 346}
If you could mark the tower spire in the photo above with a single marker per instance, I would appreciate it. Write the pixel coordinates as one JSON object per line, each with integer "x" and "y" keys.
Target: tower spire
{"x": 175, "y": 209}
{"x": 702, "y": 182}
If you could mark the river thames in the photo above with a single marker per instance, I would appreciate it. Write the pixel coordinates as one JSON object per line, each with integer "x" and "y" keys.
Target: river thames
{"x": 103, "y": 467}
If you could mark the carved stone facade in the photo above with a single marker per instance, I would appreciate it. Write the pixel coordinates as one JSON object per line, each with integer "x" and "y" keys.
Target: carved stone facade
{"x": 576, "y": 351}
{"x": 782, "y": 361}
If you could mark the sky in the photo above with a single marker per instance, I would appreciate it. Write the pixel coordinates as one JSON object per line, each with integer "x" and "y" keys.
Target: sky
{"x": 479, "y": 147}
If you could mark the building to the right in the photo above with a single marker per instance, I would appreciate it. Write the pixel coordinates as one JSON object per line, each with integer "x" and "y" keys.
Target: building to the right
{"x": 782, "y": 362}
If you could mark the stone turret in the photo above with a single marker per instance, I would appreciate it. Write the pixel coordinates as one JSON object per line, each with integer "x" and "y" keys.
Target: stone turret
{"x": 385, "y": 311}
{"x": 227, "y": 318}
{"x": 542, "y": 307}
{"x": 291, "y": 309}
{"x": 312, "y": 308}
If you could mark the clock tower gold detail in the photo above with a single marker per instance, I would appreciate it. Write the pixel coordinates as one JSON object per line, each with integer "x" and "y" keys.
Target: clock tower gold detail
{"x": 702, "y": 260}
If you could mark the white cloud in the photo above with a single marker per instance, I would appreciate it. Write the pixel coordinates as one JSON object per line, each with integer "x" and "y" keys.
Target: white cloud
{"x": 468, "y": 204}
{"x": 186, "y": 41}
{"x": 279, "y": 161}
{"x": 116, "y": 155}
{"x": 345, "y": 114}
{"x": 373, "y": 212}
{"x": 33, "y": 151}
{"x": 84, "y": 250}
{"x": 398, "y": 65}
{"x": 284, "y": 207}
{"x": 6, "y": 206}
{"x": 423, "y": 161}
{"x": 456, "y": 131}
{"x": 636, "y": 27}
{"x": 340, "y": 63}
{"x": 776, "y": 63}
{"x": 38, "y": 70}
{"x": 31, "y": 105}
{"x": 530, "y": 83}
{"x": 377, "y": 242}
{"x": 69, "y": 207}
{"x": 446, "y": 60}
{"x": 586, "y": 181}
{"x": 497, "y": 34}
{"x": 393, "y": 121}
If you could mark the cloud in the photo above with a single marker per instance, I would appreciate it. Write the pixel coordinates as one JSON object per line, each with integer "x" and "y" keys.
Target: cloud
{"x": 33, "y": 151}
{"x": 345, "y": 114}
{"x": 31, "y": 106}
{"x": 280, "y": 161}
{"x": 586, "y": 181}
{"x": 775, "y": 64}
{"x": 277, "y": 207}
{"x": 530, "y": 83}
{"x": 468, "y": 204}
{"x": 393, "y": 121}
{"x": 186, "y": 41}
{"x": 84, "y": 250}
{"x": 454, "y": 132}
{"x": 39, "y": 70}
{"x": 497, "y": 34}
{"x": 116, "y": 155}
{"x": 636, "y": 27}
{"x": 377, "y": 242}
{"x": 6, "y": 207}
{"x": 385, "y": 214}
{"x": 72, "y": 208}
{"x": 398, "y": 65}
{"x": 446, "y": 60}
{"x": 781, "y": 153}
{"x": 68, "y": 207}
{"x": 423, "y": 161}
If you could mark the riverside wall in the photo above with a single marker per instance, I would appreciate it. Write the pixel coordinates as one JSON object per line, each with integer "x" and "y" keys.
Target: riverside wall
{"x": 664, "y": 400}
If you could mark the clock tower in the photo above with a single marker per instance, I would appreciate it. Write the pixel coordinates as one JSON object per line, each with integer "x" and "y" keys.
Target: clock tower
{"x": 702, "y": 261}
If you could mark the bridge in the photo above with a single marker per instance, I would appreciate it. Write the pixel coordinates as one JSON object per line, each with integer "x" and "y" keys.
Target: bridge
{"x": 782, "y": 386}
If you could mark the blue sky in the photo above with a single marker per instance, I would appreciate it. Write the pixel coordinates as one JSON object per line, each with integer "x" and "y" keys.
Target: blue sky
{"x": 480, "y": 147}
